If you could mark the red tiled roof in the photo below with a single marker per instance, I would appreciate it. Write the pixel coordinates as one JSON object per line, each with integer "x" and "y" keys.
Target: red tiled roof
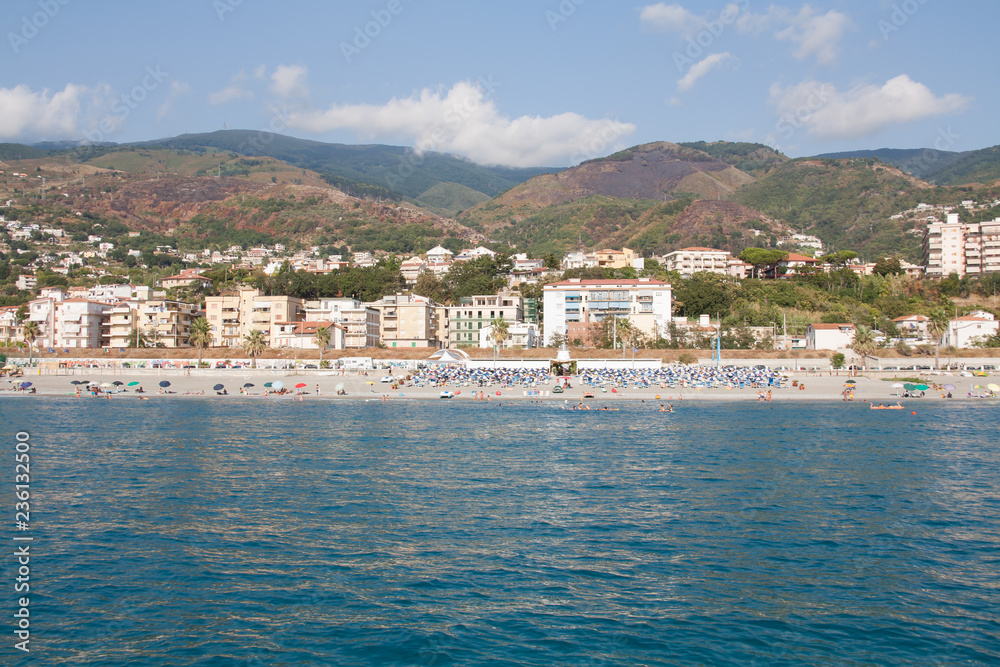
{"x": 825, "y": 326}
{"x": 919, "y": 318}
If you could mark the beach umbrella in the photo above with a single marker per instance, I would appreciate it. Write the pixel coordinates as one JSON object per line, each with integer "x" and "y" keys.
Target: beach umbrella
{"x": 978, "y": 386}
{"x": 106, "y": 384}
{"x": 278, "y": 385}
{"x": 300, "y": 385}
{"x": 132, "y": 383}
{"x": 949, "y": 387}
{"x": 164, "y": 383}
{"x": 909, "y": 387}
{"x": 993, "y": 387}
{"x": 897, "y": 385}
{"x": 339, "y": 387}
{"x": 25, "y": 385}
{"x": 851, "y": 382}
{"x": 248, "y": 384}
{"x": 117, "y": 383}
{"x": 78, "y": 382}
{"x": 921, "y": 387}
{"x": 218, "y": 387}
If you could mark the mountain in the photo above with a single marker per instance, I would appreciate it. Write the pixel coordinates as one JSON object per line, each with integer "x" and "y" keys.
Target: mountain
{"x": 754, "y": 159}
{"x": 395, "y": 168}
{"x": 21, "y": 152}
{"x": 920, "y": 162}
{"x": 637, "y": 197}
{"x": 981, "y": 166}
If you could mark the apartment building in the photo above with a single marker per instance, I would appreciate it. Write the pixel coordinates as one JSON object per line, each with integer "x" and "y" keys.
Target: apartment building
{"x": 474, "y": 313}
{"x": 234, "y": 316}
{"x": 161, "y": 322}
{"x": 360, "y": 322}
{"x": 572, "y": 306}
{"x": 687, "y": 261}
{"x": 944, "y": 247}
{"x": 408, "y": 320}
{"x": 302, "y": 335}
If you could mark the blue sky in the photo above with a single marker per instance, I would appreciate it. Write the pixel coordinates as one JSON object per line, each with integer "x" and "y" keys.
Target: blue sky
{"x": 522, "y": 83}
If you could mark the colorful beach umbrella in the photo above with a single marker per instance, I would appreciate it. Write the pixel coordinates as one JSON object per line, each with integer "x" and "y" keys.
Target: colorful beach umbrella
{"x": 949, "y": 387}
{"x": 300, "y": 385}
{"x": 268, "y": 385}
{"x": 921, "y": 387}
{"x": 133, "y": 383}
{"x": 25, "y": 385}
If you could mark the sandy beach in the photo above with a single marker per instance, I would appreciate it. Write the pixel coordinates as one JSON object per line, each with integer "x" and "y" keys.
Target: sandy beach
{"x": 323, "y": 385}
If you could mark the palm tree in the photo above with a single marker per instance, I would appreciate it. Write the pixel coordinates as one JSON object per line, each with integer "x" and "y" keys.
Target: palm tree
{"x": 322, "y": 339}
{"x": 499, "y": 334}
{"x": 936, "y": 326}
{"x": 201, "y": 336}
{"x": 863, "y": 343}
{"x": 254, "y": 344}
{"x": 31, "y": 333}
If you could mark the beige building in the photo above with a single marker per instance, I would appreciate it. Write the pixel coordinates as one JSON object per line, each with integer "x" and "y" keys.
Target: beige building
{"x": 234, "y": 316}
{"x": 10, "y": 330}
{"x": 687, "y": 261}
{"x": 944, "y": 247}
{"x": 162, "y": 323}
{"x": 408, "y": 320}
{"x": 184, "y": 279}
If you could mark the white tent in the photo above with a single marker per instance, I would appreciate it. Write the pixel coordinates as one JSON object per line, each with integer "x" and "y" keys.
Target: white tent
{"x": 449, "y": 357}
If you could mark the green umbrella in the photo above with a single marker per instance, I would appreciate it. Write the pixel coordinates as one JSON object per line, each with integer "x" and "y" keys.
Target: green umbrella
{"x": 268, "y": 384}
{"x": 133, "y": 383}
{"x": 921, "y": 387}
{"x": 909, "y": 387}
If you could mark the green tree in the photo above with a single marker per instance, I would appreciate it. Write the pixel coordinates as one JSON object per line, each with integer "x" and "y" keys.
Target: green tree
{"x": 936, "y": 326}
{"x": 863, "y": 343}
{"x": 837, "y": 360}
{"x": 31, "y": 332}
{"x": 254, "y": 344}
{"x": 500, "y": 333}
{"x": 887, "y": 266}
{"x": 322, "y": 339}
{"x": 201, "y": 336}
{"x": 704, "y": 294}
{"x": 763, "y": 259}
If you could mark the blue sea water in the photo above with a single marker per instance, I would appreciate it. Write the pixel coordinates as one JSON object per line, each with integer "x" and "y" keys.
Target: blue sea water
{"x": 241, "y": 532}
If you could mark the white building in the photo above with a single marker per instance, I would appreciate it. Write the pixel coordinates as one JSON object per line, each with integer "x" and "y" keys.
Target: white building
{"x": 687, "y": 261}
{"x": 519, "y": 335}
{"x": 439, "y": 254}
{"x": 360, "y": 323}
{"x": 829, "y": 336}
{"x": 963, "y": 332}
{"x": 945, "y": 247}
{"x": 302, "y": 335}
{"x": 573, "y": 306}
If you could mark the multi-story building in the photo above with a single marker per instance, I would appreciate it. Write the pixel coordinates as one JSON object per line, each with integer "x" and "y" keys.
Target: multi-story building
{"x": 408, "y": 320}
{"x": 10, "y": 330}
{"x": 82, "y": 323}
{"x": 475, "y": 312}
{"x": 687, "y": 261}
{"x": 571, "y": 307}
{"x": 360, "y": 322}
{"x": 944, "y": 247}
{"x": 234, "y": 316}
{"x": 966, "y": 331}
{"x": 162, "y": 323}
{"x": 823, "y": 336}
{"x": 302, "y": 335}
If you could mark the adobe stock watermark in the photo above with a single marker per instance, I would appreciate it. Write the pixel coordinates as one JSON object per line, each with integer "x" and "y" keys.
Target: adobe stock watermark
{"x": 598, "y": 144}
{"x": 256, "y": 142}
{"x": 126, "y": 104}
{"x": 900, "y": 16}
{"x": 791, "y": 121}
{"x": 945, "y": 140}
{"x": 31, "y": 25}
{"x": 370, "y": 31}
{"x": 223, "y": 7}
{"x": 562, "y": 13}
{"x": 699, "y": 43}
{"x": 453, "y": 119}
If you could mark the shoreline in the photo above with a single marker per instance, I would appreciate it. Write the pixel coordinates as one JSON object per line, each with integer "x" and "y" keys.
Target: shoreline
{"x": 369, "y": 387}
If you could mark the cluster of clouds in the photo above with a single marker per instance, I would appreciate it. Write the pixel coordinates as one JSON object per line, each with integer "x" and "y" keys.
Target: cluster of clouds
{"x": 815, "y": 36}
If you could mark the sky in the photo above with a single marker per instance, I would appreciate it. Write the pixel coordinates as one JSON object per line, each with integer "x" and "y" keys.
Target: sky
{"x": 520, "y": 83}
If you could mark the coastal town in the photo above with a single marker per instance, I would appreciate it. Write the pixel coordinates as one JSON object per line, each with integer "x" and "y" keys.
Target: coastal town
{"x": 536, "y": 302}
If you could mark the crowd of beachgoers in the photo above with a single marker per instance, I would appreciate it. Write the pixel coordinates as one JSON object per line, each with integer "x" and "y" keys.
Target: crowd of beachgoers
{"x": 669, "y": 376}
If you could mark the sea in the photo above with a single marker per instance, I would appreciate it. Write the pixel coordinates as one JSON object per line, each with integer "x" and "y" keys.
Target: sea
{"x": 348, "y": 532}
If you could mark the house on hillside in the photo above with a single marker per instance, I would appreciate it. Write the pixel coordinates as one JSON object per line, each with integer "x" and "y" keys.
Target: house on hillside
{"x": 829, "y": 336}
{"x": 912, "y": 326}
{"x": 963, "y": 332}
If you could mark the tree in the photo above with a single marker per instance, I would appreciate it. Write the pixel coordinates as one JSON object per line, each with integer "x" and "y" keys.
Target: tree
{"x": 936, "y": 326}
{"x": 137, "y": 338}
{"x": 704, "y": 294}
{"x": 322, "y": 339}
{"x": 863, "y": 343}
{"x": 763, "y": 258}
{"x": 21, "y": 315}
{"x": 201, "y": 336}
{"x": 887, "y": 266}
{"x": 500, "y": 332}
{"x": 31, "y": 334}
{"x": 254, "y": 344}
{"x": 837, "y": 360}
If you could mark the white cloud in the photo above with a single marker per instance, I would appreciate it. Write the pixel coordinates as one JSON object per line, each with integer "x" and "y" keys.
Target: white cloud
{"x": 46, "y": 115}
{"x": 464, "y": 121}
{"x": 177, "y": 89}
{"x": 815, "y": 34}
{"x": 260, "y": 72}
{"x": 862, "y": 111}
{"x": 669, "y": 18}
{"x": 289, "y": 81}
{"x": 230, "y": 93}
{"x": 700, "y": 69}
